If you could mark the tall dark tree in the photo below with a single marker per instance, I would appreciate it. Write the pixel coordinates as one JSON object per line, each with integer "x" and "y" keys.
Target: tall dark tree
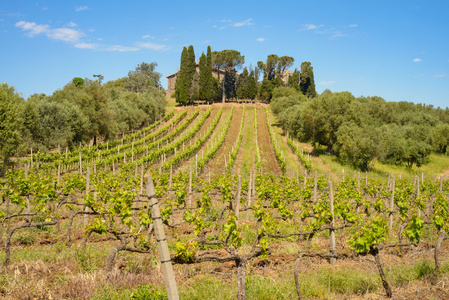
{"x": 205, "y": 79}
{"x": 242, "y": 86}
{"x": 284, "y": 62}
{"x": 307, "y": 83}
{"x": 209, "y": 88}
{"x": 230, "y": 85}
{"x": 269, "y": 67}
{"x": 229, "y": 61}
{"x": 293, "y": 80}
{"x": 252, "y": 85}
{"x": 193, "y": 75}
{"x": 183, "y": 80}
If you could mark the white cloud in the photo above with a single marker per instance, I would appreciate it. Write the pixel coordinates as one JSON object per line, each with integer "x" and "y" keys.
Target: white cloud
{"x": 417, "y": 60}
{"x": 261, "y": 39}
{"x": 353, "y": 25}
{"x": 32, "y": 28}
{"x": 65, "y": 34}
{"x": 244, "y": 23}
{"x": 86, "y": 46}
{"x": 120, "y": 48}
{"x": 99, "y": 47}
{"x": 328, "y": 82}
{"x": 439, "y": 76}
{"x": 311, "y": 27}
{"x": 81, "y": 8}
{"x": 151, "y": 46}
{"x": 62, "y": 34}
{"x": 147, "y": 36}
{"x": 72, "y": 24}
{"x": 337, "y": 34}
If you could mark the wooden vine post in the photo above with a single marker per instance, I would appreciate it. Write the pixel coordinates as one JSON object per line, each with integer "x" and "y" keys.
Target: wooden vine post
{"x": 332, "y": 248}
{"x": 189, "y": 199}
{"x": 250, "y": 188}
{"x": 166, "y": 265}
{"x": 390, "y": 216}
{"x": 237, "y": 200}
{"x": 86, "y": 209}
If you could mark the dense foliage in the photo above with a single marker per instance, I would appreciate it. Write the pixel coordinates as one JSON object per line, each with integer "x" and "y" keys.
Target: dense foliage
{"x": 362, "y": 130}
{"x": 82, "y": 111}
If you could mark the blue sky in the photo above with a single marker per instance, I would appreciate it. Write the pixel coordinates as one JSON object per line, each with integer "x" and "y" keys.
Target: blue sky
{"x": 395, "y": 49}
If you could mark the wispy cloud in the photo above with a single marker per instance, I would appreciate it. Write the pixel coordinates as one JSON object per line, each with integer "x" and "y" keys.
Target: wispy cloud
{"x": 261, "y": 39}
{"x": 32, "y": 28}
{"x": 337, "y": 34}
{"x": 417, "y": 60}
{"x": 81, "y": 8}
{"x": 225, "y": 23}
{"x": 65, "y": 34}
{"x": 147, "y": 36}
{"x": 310, "y": 27}
{"x": 62, "y": 34}
{"x": 120, "y": 48}
{"x": 86, "y": 46}
{"x": 328, "y": 82}
{"x": 244, "y": 23}
{"x": 419, "y": 75}
{"x": 439, "y": 76}
{"x": 74, "y": 36}
{"x": 151, "y": 46}
{"x": 353, "y": 25}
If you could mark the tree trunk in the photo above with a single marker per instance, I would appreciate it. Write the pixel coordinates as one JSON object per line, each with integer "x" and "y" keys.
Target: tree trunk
{"x": 241, "y": 278}
{"x": 375, "y": 252}
{"x": 223, "y": 87}
{"x": 296, "y": 274}
{"x": 440, "y": 239}
{"x": 111, "y": 256}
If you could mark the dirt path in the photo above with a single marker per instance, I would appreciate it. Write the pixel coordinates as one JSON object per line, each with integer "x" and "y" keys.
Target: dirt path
{"x": 217, "y": 164}
{"x": 291, "y": 159}
{"x": 245, "y": 160}
{"x": 206, "y": 124}
{"x": 269, "y": 162}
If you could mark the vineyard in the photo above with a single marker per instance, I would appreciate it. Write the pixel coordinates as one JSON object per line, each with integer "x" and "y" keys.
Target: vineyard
{"x": 243, "y": 211}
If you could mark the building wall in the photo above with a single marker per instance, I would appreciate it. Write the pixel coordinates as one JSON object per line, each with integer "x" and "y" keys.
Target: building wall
{"x": 172, "y": 80}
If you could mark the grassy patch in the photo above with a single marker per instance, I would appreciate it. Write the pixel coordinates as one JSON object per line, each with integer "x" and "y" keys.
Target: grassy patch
{"x": 437, "y": 164}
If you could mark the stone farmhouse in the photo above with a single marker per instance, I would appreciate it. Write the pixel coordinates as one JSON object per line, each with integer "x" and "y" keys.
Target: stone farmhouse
{"x": 215, "y": 72}
{"x": 172, "y": 78}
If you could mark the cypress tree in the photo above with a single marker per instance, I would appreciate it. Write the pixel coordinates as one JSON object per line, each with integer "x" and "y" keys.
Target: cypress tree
{"x": 210, "y": 83}
{"x": 293, "y": 80}
{"x": 203, "y": 93}
{"x": 191, "y": 72}
{"x": 182, "y": 86}
{"x": 242, "y": 87}
{"x": 252, "y": 85}
{"x": 307, "y": 83}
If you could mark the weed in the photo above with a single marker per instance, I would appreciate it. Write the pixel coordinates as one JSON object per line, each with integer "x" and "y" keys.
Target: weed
{"x": 26, "y": 239}
{"x": 148, "y": 292}
{"x": 84, "y": 259}
{"x": 109, "y": 293}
